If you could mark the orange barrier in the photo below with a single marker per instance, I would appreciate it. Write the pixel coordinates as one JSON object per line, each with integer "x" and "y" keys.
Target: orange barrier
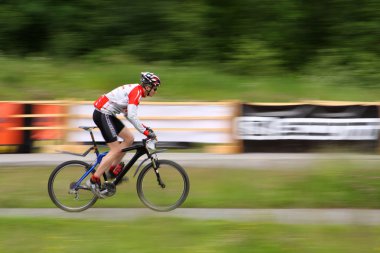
{"x": 48, "y": 119}
{"x": 7, "y": 122}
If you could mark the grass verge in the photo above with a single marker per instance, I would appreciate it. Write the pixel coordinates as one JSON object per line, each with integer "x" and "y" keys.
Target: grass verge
{"x": 181, "y": 235}
{"x": 326, "y": 185}
{"x": 49, "y": 79}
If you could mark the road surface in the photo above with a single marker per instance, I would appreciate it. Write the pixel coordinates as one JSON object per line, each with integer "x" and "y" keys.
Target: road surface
{"x": 282, "y": 216}
{"x": 205, "y": 160}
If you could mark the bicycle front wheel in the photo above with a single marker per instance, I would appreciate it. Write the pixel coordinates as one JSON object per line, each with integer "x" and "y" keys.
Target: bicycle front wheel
{"x": 62, "y": 192}
{"x": 165, "y": 189}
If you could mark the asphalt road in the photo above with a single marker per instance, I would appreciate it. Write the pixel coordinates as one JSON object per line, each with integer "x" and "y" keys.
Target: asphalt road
{"x": 205, "y": 160}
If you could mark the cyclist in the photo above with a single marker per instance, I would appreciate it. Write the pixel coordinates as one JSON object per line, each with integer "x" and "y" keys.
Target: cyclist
{"x": 124, "y": 99}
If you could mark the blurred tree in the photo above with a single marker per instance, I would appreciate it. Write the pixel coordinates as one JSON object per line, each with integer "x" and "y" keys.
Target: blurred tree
{"x": 23, "y": 26}
{"x": 168, "y": 30}
{"x": 242, "y": 34}
{"x": 355, "y": 24}
{"x": 350, "y": 53}
{"x": 254, "y": 57}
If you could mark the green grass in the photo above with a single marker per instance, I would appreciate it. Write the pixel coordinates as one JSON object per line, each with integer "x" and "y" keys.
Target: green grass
{"x": 325, "y": 185}
{"x": 47, "y": 79}
{"x": 181, "y": 235}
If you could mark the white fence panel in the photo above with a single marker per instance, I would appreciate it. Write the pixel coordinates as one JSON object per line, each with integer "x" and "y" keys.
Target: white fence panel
{"x": 172, "y": 122}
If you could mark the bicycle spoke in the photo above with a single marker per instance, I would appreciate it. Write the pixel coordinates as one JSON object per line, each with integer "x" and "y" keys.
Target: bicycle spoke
{"x": 62, "y": 188}
{"x": 165, "y": 192}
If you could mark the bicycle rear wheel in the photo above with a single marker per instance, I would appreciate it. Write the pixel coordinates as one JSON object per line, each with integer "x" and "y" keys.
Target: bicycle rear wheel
{"x": 60, "y": 187}
{"x": 171, "y": 193}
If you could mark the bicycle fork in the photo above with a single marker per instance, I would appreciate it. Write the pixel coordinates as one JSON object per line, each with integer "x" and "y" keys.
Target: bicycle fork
{"x": 156, "y": 165}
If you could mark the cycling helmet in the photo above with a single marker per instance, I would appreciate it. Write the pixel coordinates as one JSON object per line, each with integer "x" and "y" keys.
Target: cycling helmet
{"x": 150, "y": 79}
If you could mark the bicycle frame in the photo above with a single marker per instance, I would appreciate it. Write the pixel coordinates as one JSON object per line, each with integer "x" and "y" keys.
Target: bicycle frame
{"x": 99, "y": 158}
{"x": 148, "y": 148}
{"x": 140, "y": 151}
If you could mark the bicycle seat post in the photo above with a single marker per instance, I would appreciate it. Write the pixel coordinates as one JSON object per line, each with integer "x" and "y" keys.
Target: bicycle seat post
{"x": 93, "y": 142}
{"x": 89, "y": 129}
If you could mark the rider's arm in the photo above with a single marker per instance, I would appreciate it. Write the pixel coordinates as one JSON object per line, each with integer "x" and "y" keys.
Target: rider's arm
{"x": 131, "y": 113}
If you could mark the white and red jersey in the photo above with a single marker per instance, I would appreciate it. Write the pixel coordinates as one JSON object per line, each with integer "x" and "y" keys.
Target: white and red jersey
{"x": 123, "y": 99}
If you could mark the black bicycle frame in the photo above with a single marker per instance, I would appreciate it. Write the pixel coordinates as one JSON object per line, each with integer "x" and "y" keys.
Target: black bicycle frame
{"x": 140, "y": 151}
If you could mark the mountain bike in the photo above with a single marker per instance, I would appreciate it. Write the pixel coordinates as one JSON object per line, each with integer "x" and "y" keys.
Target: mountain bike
{"x": 162, "y": 185}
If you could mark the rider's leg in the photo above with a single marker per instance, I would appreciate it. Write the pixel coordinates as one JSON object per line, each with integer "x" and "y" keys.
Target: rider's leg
{"x": 115, "y": 155}
{"x": 128, "y": 139}
{"x": 114, "y": 152}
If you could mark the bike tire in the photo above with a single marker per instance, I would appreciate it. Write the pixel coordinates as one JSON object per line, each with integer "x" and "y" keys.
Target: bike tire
{"x": 59, "y": 185}
{"x": 172, "y": 196}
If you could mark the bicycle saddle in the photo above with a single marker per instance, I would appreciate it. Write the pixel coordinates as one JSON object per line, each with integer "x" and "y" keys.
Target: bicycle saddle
{"x": 87, "y": 128}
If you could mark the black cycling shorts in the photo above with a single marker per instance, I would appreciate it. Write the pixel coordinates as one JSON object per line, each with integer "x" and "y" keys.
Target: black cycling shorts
{"x": 109, "y": 125}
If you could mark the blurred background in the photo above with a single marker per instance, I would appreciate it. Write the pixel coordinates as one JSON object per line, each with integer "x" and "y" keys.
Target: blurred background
{"x": 246, "y": 49}
{"x": 237, "y": 76}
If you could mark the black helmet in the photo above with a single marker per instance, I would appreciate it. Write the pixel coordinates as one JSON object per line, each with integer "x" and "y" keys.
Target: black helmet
{"x": 148, "y": 78}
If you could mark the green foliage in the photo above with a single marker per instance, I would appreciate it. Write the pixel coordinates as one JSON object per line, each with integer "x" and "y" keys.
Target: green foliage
{"x": 346, "y": 67}
{"x": 255, "y": 58}
{"x": 250, "y": 37}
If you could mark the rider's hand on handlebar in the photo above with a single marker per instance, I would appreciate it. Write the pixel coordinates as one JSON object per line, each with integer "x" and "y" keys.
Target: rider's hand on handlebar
{"x": 150, "y": 133}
